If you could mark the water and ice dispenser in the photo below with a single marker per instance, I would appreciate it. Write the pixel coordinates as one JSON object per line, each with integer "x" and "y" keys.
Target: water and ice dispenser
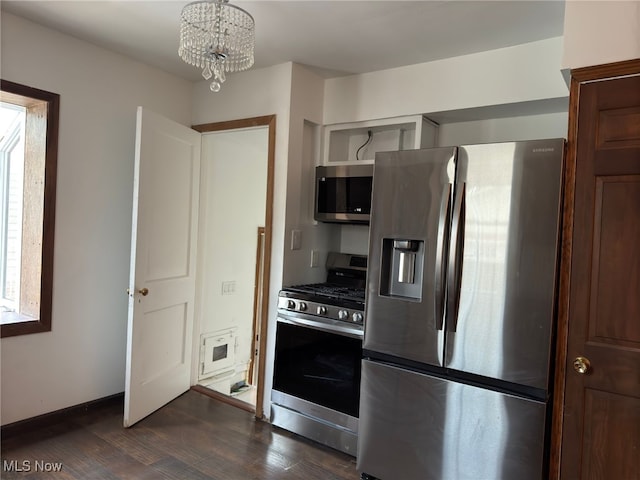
{"x": 402, "y": 265}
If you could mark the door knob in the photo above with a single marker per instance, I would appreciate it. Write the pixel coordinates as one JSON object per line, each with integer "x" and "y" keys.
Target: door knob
{"x": 144, "y": 291}
{"x": 582, "y": 365}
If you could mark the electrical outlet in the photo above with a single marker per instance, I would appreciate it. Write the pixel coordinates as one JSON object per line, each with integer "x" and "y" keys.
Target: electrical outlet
{"x": 314, "y": 258}
{"x": 228, "y": 288}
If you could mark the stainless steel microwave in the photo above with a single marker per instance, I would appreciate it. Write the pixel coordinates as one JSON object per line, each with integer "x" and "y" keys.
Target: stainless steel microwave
{"x": 343, "y": 193}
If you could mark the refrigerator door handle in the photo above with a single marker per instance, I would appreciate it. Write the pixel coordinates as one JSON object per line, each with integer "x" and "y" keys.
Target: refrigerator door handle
{"x": 441, "y": 251}
{"x": 454, "y": 273}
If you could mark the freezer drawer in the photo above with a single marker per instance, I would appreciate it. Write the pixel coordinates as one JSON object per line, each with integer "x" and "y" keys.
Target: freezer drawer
{"x": 417, "y": 427}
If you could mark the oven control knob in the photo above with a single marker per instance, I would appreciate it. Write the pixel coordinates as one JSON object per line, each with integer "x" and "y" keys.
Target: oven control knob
{"x": 302, "y": 307}
{"x": 291, "y": 304}
{"x": 322, "y": 310}
{"x": 357, "y": 317}
{"x": 343, "y": 314}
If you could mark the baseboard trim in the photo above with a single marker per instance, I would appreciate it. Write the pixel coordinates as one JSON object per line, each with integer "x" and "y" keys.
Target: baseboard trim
{"x": 224, "y": 398}
{"x": 41, "y": 421}
{"x": 32, "y": 424}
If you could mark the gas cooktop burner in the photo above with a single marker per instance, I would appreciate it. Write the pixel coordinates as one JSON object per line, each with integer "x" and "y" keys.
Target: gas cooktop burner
{"x": 305, "y": 299}
{"x": 330, "y": 290}
{"x": 340, "y": 298}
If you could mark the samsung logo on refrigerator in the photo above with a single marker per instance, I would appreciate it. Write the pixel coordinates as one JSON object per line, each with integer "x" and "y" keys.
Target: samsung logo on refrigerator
{"x": 543, "y": 150}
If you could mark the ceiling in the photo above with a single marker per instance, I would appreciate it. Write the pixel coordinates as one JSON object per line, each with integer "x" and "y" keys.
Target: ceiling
{"x": 333, "y": 38}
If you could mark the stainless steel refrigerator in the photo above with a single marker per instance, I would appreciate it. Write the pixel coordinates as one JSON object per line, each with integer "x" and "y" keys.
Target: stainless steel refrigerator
{"x": 460, "y": 309}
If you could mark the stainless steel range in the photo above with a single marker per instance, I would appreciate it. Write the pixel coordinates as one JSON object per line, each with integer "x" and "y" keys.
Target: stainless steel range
{"x": 316, "y": 384}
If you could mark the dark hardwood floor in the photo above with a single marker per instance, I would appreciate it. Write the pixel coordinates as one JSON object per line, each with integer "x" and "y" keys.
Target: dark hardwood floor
{"x": 193, "y": 437}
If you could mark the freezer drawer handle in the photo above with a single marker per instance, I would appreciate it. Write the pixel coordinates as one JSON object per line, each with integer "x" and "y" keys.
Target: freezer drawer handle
{"x": 441, "y": 252}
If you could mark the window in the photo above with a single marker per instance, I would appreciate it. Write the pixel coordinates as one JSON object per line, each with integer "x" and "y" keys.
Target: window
{"x": 28, "y": 164}
{"x": 11, "y": 200}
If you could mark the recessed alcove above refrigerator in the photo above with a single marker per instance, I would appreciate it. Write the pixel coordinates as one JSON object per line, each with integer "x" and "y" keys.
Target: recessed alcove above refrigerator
{"x": 337, "y": 144}
{"x": 358, "y": 142}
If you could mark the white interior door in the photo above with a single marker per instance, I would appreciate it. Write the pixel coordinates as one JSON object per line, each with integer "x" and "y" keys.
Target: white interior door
{"x": 163, "y": 254}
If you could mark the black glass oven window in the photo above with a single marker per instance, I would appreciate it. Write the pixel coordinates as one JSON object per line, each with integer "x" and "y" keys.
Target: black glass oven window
{"x": 317, "y": 366}
{"x": 345, "y": 195}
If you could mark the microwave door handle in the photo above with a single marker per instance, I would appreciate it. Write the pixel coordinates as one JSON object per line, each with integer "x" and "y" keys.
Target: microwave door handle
{"x": 454, "y": 274}
{"x": 441, "y": 252}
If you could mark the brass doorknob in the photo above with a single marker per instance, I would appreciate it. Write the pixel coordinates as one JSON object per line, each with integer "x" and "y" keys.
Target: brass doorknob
{"x": 144, "y": 291}
{"x": 582, "y": 365}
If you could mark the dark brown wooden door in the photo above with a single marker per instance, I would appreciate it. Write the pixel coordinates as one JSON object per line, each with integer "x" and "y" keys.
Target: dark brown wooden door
{"x": 601, "y": 430}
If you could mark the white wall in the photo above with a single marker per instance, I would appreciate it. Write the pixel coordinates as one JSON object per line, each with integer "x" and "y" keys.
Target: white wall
{"x": 354, "y": 239}
{"x": 83, "y": 357}
{"x": 598, "y": 32}
{"x": 304, "y": 152}
{"x": 233, "y": 189}
{"x": 530, "y": 127}
{"x": 522, "y": 73}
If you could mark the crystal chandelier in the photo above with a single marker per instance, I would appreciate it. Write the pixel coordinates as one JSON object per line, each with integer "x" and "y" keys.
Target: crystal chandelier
{"x": 217, "y": 37}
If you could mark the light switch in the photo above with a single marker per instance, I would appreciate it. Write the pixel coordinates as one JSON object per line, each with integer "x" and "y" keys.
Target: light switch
{"x": 314, "y": 258}
{"x": 296, "y": 239}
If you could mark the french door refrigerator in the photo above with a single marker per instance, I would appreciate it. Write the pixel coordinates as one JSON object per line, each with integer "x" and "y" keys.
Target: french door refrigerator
{"x": 459, "y": 315}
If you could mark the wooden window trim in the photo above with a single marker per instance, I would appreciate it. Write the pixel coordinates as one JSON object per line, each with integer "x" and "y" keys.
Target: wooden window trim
{"x": 19, "y": 94}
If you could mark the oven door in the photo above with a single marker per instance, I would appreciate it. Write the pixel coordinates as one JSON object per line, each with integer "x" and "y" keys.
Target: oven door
{"x": 318, "y": 363}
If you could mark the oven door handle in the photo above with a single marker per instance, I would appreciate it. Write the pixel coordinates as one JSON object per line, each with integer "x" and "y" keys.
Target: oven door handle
{"x": 333, "y": 327}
